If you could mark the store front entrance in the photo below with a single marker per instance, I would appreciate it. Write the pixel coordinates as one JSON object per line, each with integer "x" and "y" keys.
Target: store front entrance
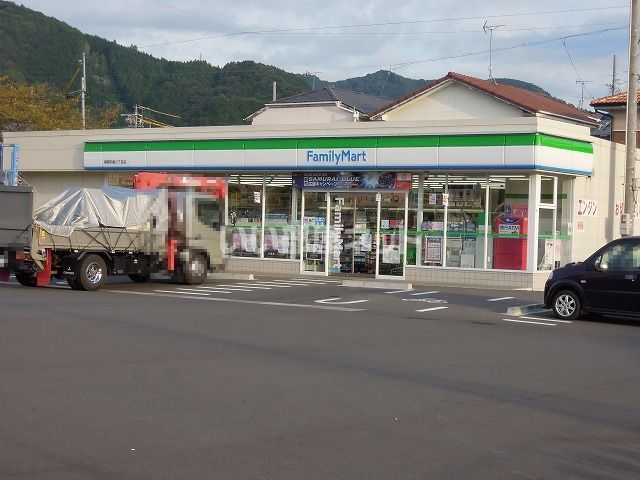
{"x": 354, "y": 233}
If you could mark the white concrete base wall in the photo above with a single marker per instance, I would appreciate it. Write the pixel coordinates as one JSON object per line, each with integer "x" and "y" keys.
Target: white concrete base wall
{"x": 498, "y": 279}
{"x": 260, "y": 266}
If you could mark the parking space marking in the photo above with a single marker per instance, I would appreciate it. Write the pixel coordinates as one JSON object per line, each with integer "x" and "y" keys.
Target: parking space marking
{"x": 555, "y": 320}
{"x": 235, "y": 289}
{"x": 272, "y": 284}
{"x": 425, "y": 293}
{"x": 182, "y": 293}
{"x": 174, "y": 294}
{"x": 431, "y": 309}
{"x": 333, "y": 300}
{"x": 498, "y": 299}
{"x": 529, "y": 321}
{"x": 400, "y": 291}
{"x": 187, "y": 290}
{"x": 244, "y": 285}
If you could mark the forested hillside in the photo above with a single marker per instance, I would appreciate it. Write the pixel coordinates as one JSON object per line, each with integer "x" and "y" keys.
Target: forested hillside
{"x": 35, "y": 48}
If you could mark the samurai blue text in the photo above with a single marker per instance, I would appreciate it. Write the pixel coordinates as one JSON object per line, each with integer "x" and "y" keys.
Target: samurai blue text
{"x": 337, "y": 156}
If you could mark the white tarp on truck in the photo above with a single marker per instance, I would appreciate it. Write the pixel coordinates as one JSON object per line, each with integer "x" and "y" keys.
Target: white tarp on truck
{"x": 116, "y": 207}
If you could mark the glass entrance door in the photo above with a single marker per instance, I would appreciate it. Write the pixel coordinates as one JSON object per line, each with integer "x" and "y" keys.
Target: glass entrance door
{"x": 392, "y": 249}
{"x": 352, "y": 233}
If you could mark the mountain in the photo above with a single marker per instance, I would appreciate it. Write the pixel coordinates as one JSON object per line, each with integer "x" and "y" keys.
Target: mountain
{"x": 35, "y": 48}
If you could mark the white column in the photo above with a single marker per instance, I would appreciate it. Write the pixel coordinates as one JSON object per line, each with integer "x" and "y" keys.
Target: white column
{"x": 301, "y": 246}
{"x": 264, "y": 206}
{"x": 534, "y": 216}
{"x": 419, "y": 219}
{"x": 487, "y": 214}
{"x": 446, "y": 221}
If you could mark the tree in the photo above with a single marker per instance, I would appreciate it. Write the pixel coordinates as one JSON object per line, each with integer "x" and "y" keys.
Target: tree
{"x": 26, "y": 107}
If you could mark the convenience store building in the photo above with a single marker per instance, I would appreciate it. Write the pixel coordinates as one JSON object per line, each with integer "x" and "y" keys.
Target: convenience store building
{"x": 461, "y": 182}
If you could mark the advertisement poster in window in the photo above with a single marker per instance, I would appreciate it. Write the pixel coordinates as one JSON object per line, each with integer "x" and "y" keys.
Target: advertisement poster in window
{"x": 391, "y": 249}
{"x": 245, "y": 242}
{"x": 432, "y": 250}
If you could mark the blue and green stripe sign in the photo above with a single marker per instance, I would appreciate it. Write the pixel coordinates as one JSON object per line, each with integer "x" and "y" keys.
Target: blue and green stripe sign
{"x": 429, "y": 152}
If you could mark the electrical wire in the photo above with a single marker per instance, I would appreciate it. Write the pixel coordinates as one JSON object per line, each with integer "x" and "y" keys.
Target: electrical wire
{"x": 379, "y": 24}
{"x": 564, "y": 43}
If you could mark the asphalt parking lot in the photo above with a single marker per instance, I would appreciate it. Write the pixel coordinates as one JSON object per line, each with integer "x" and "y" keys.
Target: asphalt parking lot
{"x": 304, "y": 378}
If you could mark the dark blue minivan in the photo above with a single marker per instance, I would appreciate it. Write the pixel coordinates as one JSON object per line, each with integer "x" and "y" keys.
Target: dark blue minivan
{"x": 608, "y": 282}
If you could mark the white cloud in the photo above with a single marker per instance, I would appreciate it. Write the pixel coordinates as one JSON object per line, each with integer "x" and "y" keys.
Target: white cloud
{"x": 188, "y": 29}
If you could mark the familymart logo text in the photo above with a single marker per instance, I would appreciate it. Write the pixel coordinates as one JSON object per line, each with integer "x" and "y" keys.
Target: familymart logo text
{"x": 337, "y": 156}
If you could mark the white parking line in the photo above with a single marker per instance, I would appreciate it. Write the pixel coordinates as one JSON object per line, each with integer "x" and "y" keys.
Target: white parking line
{"x": 246, "y": 285}
{"x": 431, "y": 309}
{"x": 554, "y": 320}
{"x": 301, "y": 282}
{"x": 235, "y": 289}
{"x": 234, "y": 300}
{"x": 180, "y": 293}
{"x": 272, "y": 284}
{"x": 498, "y": 299}
{"x": 527, "y": 321}
{"x": 200, "y": 292}
{"x": 400, "y": 291}
{"x": 333, "y": 300}
{"x": 425, "y": 293}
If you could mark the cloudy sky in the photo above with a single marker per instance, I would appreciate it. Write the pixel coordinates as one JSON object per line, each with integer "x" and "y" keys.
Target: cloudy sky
{"x": 553, "y": 44}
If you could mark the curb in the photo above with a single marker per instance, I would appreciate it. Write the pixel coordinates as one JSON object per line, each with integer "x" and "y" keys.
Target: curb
{"x": 526, "y": 309}
{"x": 377, "y": 284}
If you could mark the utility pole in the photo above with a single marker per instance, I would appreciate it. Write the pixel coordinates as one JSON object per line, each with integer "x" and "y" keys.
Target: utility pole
{"x": 274, "y": 95}
{"x": 614, "y": 79}
{"x": 83, "y": 90}
{"x": 630, "y": 182}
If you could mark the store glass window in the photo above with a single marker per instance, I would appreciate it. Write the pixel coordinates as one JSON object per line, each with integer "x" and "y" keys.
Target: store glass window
{"x": 314, "y": 231}
{"x": 431, "y": 231}
{"x": 414, "y": 222}
{"x": 392, "y": 234}
{"x": 547, "y": 245}
{"x": 244, "y": 222}
{"x": 280, "y": 228}
{"x": 564, "y": 221}
{"x": 466, "y": 221}
{"x": 508, "y": 222}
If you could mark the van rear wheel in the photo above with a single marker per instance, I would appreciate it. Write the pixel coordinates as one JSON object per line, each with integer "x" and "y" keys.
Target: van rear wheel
{"x": 566, "y": 305}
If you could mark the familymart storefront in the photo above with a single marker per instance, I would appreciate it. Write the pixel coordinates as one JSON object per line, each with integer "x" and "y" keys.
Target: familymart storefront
{"x": 474, "y": 209}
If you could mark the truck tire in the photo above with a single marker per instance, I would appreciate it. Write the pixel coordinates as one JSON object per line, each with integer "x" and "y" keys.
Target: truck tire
{"x": 139, "y": 277}
{"x": 26, "y": 279}
{"x": 195, "y": 270}
{"x": 73, "y": 283}
{"x": 92, "y": 273}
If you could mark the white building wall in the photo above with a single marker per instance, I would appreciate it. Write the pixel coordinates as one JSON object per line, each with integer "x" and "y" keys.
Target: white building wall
{"x": 47, "y": 185}
{"x": 302, "y": 115}
{"x": 453, "y": 102}
{"x": 606, "y": 188}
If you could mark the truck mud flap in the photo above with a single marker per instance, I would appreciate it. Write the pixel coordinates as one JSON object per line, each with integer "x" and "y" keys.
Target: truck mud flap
{"x": 5, "y": 274}
{"x": 43, "y": 278}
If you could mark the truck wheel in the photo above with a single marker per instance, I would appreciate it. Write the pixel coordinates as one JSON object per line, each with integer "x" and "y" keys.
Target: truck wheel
{"x": 26, "y": 279}
{"x": 92, "y": 274}
{"x": 566, "y": 305}
{"x": 139, "y": 277}
{"x": 195, "y": 270}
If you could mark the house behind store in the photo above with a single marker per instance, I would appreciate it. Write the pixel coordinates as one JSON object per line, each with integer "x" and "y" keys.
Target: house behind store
{"x": 462, "y": 181}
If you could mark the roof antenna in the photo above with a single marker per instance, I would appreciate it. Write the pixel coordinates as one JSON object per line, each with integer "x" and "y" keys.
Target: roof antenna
{"x": 490, "y": 28}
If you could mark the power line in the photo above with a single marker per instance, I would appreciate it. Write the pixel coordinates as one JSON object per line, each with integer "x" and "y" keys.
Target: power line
{"x": 564, "y": 43}
{"x": 379, "y": 24}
